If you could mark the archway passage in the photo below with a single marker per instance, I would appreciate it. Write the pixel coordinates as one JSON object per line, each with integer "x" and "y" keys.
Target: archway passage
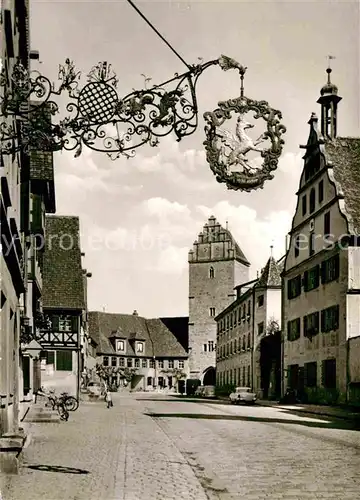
{"x": 209, "y": 376}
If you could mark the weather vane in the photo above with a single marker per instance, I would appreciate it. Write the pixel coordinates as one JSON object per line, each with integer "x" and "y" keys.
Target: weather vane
{"x": 330, "y": 58}
{"x": 98, "y": 118}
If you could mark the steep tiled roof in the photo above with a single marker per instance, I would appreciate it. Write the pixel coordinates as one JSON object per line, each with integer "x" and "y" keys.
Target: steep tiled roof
{"x": 270, "y": 276}
{"x": 239, "y": 254}
{"x": 63, "y": 286}
{"x": 179, "y": 326}
{"x": 41, "y": 165}
{"x": 281, "y": 263}
{"x": 159, "y": 340}
{"x": 343, "y": 154}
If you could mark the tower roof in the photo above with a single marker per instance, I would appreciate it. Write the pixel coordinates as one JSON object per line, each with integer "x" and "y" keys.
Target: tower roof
{"x": 329, "y": 87}
{"x": 341, "y": 156}
{"x": 271, "y": 275}
{"x": 213, "y": 231}
{"x": 239, "y": 254}
{"x": 329, "y": 91}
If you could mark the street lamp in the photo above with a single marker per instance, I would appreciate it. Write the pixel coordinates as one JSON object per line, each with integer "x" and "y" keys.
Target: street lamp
{"x": 34, "y": 349}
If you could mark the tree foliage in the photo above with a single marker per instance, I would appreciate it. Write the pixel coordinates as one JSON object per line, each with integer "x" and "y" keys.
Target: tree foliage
{"x": 108, "y": 373}
{"x": 177, "y": 373}
{"x": 272, "y": 327}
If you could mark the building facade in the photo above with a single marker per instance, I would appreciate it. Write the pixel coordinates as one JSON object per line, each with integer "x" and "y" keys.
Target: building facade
{"x": 216, "y": 265}
{"x": 321, "y": 279}
{"x": 144, "y": 348}
{"x": 243, "y": 324}
{"x": 14, "y": 47}
{"x": 63, "y": 305}
{"x": 41, "y": 201}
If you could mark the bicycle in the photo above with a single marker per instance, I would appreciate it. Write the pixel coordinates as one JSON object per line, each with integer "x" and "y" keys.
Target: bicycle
{"x": 69, "y": 402}
{"x": 56, "y": 403}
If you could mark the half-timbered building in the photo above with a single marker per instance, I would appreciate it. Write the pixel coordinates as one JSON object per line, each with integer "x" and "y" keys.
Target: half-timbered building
{"x": 63, "y": 305}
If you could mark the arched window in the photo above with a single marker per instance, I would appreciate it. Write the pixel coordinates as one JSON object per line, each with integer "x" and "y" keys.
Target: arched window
{"x": 211, "y": 272}
{"x": 312, "y": 201}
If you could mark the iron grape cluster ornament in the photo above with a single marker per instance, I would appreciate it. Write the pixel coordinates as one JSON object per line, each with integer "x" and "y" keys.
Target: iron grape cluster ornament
{"x": 228, "y": 153}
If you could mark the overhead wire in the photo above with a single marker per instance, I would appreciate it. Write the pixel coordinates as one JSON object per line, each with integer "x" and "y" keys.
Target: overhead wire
{"x": 158, "y": 33}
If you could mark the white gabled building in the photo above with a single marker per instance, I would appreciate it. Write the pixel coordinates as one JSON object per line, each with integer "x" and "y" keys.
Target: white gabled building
{"x": 321, "y": 278}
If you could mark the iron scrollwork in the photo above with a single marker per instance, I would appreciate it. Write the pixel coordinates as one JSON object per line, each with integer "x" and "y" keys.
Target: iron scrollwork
{"x": 98, "y": 118}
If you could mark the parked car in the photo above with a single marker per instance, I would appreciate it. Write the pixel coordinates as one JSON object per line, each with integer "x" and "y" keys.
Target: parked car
{"x": 243, "y": 395}
{"x": 205, "y": 391}
{"x": 209, "y": 391}
{"x": 95, "y": 389}
{"x": 199, "y": 391}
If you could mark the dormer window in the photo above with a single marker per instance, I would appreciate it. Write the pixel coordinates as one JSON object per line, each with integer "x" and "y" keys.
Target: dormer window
{"x": 120, "y": 345}
{"x": 140, "y": 347}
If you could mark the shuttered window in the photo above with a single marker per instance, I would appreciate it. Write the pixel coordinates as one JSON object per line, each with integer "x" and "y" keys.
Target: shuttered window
{"x": 64, "y": 361}
{"x": 311, "y": 278}
{"x": 293, "y": 329}
{"x": 330, "y": 269}
{"x": 330, "y": 319}
{"x": 294, "y": 287}
{"x": 311, "y": 325}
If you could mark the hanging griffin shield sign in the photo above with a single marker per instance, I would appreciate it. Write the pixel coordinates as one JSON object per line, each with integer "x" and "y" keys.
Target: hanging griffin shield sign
{"x": 240, "y": 161}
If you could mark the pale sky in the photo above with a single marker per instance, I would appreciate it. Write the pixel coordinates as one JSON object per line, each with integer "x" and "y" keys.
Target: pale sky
{"x": 139, "y": 217}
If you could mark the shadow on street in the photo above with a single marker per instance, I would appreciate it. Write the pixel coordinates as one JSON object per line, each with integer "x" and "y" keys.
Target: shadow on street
{"x": 57, "y": 468}
{"x": 332, "y": 424}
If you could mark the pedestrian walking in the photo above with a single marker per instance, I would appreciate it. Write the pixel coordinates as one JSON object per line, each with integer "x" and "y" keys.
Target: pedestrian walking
{"x": 108, "y": 399}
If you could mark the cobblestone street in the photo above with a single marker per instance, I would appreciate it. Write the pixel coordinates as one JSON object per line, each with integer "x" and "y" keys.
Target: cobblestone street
{"x": 163, "y": 448}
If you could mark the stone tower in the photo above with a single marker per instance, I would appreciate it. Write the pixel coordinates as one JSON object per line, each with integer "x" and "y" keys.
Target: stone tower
{"x": 216, "y": 266}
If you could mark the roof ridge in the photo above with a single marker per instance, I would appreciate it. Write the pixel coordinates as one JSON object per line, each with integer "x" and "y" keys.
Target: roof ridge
{"x": 57, "y": 216}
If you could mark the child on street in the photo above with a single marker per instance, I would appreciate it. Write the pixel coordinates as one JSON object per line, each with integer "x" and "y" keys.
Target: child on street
{"x": 108, "y": 399}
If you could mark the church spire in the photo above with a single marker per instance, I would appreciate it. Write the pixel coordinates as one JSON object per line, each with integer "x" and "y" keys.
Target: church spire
{"x": 329, "y": 101}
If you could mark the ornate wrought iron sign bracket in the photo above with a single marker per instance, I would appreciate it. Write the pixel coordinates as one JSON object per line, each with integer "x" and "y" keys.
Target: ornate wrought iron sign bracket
{"x": 98, "y": 118}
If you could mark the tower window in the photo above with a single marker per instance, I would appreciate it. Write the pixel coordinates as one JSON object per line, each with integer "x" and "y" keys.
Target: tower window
{"x": 312, "y": 244}
{"x": 321, "y": 191}
{"x": 212, "y": 311}
{"x": 297, "y": 246}
{"x": 211, "y": 272}
{"x": 327, "y": 224}
{"x": 312, "y": 201}
{"x": 304, "y": 204}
